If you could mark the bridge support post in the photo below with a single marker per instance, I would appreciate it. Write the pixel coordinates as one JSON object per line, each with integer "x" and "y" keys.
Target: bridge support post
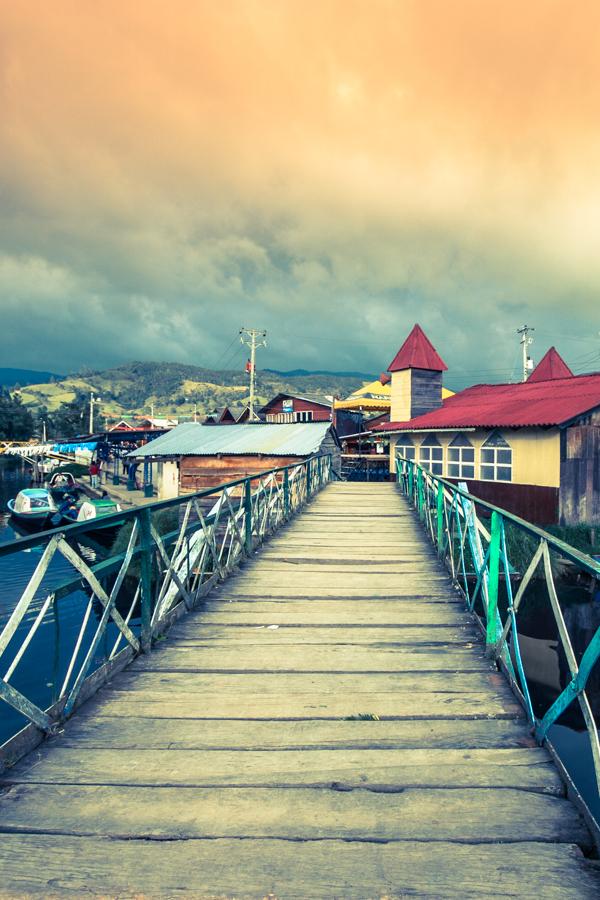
{"x": 146, "y": 579}
{"x": 440, "y": 519}
{"x": 308, "y": 478}
{"x": 248, "y": 517}
{"x": 286, "y": 493}
{"x": 494, "y": 573}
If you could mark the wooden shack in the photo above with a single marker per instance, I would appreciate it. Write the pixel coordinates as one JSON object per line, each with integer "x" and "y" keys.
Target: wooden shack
{"x": 194, "y": 457}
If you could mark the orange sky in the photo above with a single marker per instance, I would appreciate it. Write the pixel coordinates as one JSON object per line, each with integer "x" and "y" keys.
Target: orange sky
{"x": 328, "y": 170}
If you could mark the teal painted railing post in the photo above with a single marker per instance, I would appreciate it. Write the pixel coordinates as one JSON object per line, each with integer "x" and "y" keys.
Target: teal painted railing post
{"x": 440, "y": 518}
{"x": 420, "y": 503}
{"x": 494, "y": 574}
{"x": 411, "y": 481}
{"x": 308, "y": 477}
{"x": 146, "y": 579}
{"x": 286, "y": 494}
{"x": 319, "y": 471}
{"x": 248, "y": 516}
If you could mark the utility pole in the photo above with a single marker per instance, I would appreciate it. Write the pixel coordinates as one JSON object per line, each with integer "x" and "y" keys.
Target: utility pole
{"x": 93, "y": 400}
{"x": 526, "y": 342}
{"x": 252, "y": 338}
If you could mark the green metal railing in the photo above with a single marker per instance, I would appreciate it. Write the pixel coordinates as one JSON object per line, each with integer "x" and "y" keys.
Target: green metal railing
{"x": 506, "y": 552}
{"x": 172, "y": 553}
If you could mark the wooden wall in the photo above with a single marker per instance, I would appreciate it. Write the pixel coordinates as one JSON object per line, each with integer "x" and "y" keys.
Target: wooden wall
{"x": 320, "y": 413}
{"x": 580, "y": 475}
{"x": 196, "y": 473}
{"x": 425, "y": 391}
{"x": 532, "y": 502}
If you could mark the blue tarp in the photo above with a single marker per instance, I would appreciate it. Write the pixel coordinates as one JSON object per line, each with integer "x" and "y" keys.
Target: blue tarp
{"x": 74, "y": 448}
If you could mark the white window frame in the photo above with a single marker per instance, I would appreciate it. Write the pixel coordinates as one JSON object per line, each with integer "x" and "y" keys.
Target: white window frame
{"x": 405, "y": 442}
{"x": 460, "y": 462}
{"x": 431, "y": 455}
{"x": 303, "y": 415}
{"x": 495, "y": 458}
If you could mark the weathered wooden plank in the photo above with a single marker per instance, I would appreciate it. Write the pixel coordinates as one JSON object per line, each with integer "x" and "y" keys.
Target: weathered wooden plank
{"x": 303, "y": 814}
{"x": 377, "y": 770}
{"x": 344, "y": 581}
{"x": 409, "y": 586}
{"x": 293, "y": 568}
{"x": 197, "y": 633}
{"x": 314, "y": 658}
{"x": 85, "y": 730}
{"x": 244, "y": 869}
{"x": 333, "y": 613}
{"x": 400, "y": 705}
{"x": 354, "y": 684}
{"x": 311, "y": 552}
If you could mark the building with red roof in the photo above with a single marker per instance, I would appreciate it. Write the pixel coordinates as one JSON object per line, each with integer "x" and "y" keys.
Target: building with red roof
{"x": 532, "y": 447}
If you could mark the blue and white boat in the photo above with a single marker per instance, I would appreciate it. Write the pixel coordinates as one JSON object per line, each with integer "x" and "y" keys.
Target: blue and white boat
{"x": 32, "y": 506}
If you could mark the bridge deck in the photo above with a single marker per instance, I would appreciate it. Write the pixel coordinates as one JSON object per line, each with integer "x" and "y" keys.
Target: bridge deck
{"x": 234, "y": 761}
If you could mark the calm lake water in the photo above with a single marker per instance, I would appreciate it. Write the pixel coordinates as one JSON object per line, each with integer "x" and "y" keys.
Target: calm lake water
{"x": 41, "y": 672}
{"x": 42, "y": 669}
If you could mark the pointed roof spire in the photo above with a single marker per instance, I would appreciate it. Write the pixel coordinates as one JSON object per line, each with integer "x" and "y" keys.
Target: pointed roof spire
{"x": 417, "y": 352}
{"x": 551, "y": 366}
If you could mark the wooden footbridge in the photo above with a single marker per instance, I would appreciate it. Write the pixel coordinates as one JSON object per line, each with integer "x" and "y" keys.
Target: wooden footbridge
{"x": 325, "y": 722}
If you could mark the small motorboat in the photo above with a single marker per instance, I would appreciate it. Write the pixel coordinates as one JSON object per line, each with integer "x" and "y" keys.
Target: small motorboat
{"x": 91, "y": 510}
{"x": 32, "y": 506}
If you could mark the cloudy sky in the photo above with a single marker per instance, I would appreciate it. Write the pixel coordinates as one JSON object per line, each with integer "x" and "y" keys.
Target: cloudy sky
{"x": 330, "y": 170}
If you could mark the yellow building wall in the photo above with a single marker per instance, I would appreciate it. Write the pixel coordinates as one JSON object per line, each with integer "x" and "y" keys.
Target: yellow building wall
{"x": 400, "y": 395}
{"x": 535, "y": 459}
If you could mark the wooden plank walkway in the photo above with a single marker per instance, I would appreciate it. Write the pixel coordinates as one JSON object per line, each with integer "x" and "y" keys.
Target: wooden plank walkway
{"x": 233, "y": 762}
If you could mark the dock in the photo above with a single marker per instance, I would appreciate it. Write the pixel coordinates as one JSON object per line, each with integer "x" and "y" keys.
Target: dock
{"x": 326, "y": 725}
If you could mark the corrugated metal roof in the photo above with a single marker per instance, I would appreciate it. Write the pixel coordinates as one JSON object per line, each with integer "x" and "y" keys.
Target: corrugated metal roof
{"x": 552, "y": 402}
{"x": 192, "y": 439}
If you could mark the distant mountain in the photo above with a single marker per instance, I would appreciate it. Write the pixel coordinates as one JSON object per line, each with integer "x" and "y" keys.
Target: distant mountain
{"x": 175, "y": 389}
{"x": 299, "y": 373}
{"x": 11, "y": 377}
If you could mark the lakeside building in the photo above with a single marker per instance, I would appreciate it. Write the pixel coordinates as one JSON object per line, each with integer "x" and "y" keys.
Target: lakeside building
{"x": 532, "y": 447}
{"x": 287, "y": 408}
{"x": 193, "y": 457}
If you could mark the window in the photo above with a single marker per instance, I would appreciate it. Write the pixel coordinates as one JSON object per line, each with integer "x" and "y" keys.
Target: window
{"x": 304, "y": 415}
{"x": 461, "y": 458}
{"x": 496, "y": 459}
{"x": 431, "y": 455}
{"x": 405, "y": 449}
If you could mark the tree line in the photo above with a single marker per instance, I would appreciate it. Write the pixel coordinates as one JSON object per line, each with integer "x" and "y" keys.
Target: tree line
{"x": 17, "y": 423}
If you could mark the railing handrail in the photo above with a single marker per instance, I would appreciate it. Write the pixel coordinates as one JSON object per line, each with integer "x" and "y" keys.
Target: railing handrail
{"x": 449, "y": 514}
{"x": 175, "y": 569}
{"x": 583, "y": 559}
{"x": 78, "y": 528}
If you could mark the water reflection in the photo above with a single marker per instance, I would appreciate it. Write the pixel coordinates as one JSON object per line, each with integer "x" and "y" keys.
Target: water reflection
{"x": 41, "y": 671}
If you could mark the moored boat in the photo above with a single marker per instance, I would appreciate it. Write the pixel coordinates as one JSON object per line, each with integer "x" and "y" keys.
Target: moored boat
{"x": 90, "y": 510}
{"x": 32, "y": 506}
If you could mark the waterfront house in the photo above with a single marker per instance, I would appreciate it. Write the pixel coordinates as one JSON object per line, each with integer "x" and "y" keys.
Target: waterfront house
{"x": 193, "y": 457}
{"x": 531, "y": 447}
{"x": 287, "y": 408}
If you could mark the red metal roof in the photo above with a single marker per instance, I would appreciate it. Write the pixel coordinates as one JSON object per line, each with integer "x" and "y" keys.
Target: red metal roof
{"x": 417, "y": 352}
{"x": 550, "y": 366}
{"x": 552, "y": 402}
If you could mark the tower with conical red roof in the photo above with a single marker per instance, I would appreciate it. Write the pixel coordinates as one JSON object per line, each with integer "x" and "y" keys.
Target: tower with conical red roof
{"x": 550, "y": 367}
{"x": 416, "y": 377}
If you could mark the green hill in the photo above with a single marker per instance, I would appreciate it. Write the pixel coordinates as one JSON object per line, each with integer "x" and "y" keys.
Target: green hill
{"x": 173, "y": 389}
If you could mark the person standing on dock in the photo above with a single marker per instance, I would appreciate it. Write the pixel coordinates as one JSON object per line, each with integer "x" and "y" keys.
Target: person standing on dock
{"x": 94, "y": 470}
